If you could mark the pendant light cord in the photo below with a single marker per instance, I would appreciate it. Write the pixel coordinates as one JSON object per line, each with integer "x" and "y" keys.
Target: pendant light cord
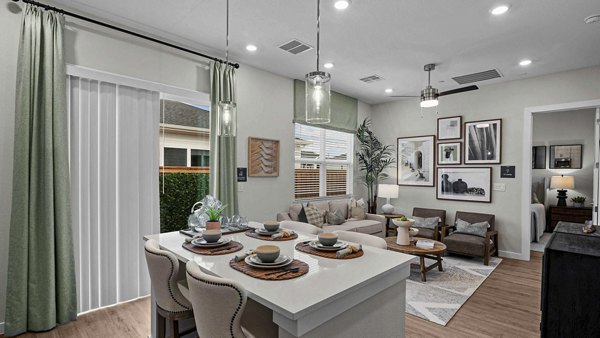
{"x": 318, "y": 32}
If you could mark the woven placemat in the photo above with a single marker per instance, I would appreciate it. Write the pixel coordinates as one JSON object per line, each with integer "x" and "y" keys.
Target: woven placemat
{"x": 259, "y": 273}
{"x": 228, "y": 248}
{"x": 304, "y": 247}
{"x": 252, "y": 233}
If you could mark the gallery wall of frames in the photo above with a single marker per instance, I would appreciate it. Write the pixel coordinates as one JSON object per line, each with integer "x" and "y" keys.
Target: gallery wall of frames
{"x": 456, "y": 161}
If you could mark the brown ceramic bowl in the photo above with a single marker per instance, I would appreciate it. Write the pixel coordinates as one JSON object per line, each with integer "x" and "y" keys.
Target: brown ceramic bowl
{"x": 271, "y": 225}
{"x": 328, "y": 238}
{"x": 267, "y": 253}
{"x": 211, "y": 236}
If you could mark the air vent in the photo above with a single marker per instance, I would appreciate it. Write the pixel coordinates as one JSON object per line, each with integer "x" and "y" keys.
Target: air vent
{"x": 295, "y": 46}
{"x": 477, "y": 77}
{"x": 372, "y": 78}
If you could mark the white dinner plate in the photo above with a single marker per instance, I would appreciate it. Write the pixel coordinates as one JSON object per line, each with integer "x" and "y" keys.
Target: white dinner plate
{"x": 336, "y": 247}
{"x": 281, "y": 261}
{"x": 201, "y": 242}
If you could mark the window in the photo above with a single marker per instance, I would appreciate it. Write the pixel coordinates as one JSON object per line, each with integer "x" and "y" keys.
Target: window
{"x": 199, "y": 158}
{"x": 176, "y": 157}
{"x": 323, "y": 162}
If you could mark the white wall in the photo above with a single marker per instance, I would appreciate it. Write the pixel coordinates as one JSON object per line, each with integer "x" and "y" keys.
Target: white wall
{"x": 504, "y": 100}
{"x": 569, "y": 127}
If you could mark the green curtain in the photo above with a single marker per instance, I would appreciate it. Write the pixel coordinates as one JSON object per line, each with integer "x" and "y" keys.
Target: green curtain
{"x": 41, "y": 291}
{"x": 344, "y": 110}
{"x": 223, "y": 172}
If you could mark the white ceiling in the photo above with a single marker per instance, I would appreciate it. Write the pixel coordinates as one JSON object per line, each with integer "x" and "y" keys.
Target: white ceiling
{"x": 391, "y": 38}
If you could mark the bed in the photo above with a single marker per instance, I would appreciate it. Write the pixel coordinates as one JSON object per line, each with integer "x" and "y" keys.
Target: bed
{"x": 538, "y": 208}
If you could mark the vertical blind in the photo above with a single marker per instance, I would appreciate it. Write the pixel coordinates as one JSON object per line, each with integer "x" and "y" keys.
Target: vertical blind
{"x": 114, "y": 162}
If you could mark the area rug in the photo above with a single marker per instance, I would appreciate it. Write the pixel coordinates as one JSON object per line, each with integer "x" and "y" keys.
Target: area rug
{"x": 438, "y": 299}
{"x": 541, "y": 245}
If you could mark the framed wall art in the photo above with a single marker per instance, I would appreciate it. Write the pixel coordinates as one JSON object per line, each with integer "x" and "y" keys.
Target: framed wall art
{"x": 449, "y": 153}
{"x": 449, "y": 128}
{"x": 538, "y": 157}
{"x": 416, "y": 161}
{"x": 464, "y": 184}
{"x": 566, "y": 156}
{"x": 483, "y": 142}
{"x": 263, "y": 157}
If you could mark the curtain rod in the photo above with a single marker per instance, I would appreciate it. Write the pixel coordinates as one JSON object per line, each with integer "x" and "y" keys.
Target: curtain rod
{"x": 123, "y": 30}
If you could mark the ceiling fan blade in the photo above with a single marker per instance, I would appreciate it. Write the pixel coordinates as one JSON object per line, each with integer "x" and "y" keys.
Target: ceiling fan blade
{"x": 458, "y": 90}
{"x": 403, "y": 96}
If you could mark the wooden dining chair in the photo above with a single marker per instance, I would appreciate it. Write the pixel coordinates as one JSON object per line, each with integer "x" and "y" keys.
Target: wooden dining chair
{"x": 171, "y": 304}
{"x": 360, "y": 238}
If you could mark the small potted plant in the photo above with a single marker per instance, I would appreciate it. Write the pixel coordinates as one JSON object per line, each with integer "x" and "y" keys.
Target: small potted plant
{"x": 578, "y": 201}
{"x": 214, "y": 214}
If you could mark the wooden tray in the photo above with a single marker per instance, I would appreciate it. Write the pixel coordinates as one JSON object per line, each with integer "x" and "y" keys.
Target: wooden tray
{"x": 304, "y": 247}
{"x": 259, "y": 273}
{"x": 228, "y": 248}
{"x": 253, "y": 234}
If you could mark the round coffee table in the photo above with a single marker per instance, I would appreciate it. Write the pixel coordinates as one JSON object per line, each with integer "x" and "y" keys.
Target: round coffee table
{"x": 436, "y": 253}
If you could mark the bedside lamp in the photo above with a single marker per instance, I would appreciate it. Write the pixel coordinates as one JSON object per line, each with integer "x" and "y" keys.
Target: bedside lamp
{"x": 562, "y": 183}
{"x": 388, "y": 191}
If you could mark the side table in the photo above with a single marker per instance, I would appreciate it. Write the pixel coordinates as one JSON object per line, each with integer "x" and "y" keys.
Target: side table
{"x": 387, "y": 221}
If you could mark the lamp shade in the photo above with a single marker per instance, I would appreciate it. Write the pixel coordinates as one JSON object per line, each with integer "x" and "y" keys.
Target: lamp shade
{"x": 562, "y": 182}
{"x": 388, "y": 190}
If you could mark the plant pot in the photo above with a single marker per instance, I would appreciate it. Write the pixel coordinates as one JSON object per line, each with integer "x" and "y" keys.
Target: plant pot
{"x": 372, "y": 208}
{"x": 213, "y": 225}
{"x": 578, "y": 205}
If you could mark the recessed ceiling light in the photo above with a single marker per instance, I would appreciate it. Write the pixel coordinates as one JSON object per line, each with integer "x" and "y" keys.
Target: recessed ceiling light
{"x": 251, "y": 48}
{"x": 389, "y": 90}
{"x": 342, "y": 4}
{"x": 525, "y": 62}
{"x": 592, "y": 19}
{"x": 328, "y": 65}
{"x": 499, "y": 10}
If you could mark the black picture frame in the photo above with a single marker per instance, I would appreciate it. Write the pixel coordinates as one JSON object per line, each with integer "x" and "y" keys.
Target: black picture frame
{"x": 483, "y": 150}
{"x": 448, "y": 187}
{"x": 445, "y": 123}
{"x": 570, "y": 156}
{"x": 406, "y": 166}
{"x": 538, "y": 157}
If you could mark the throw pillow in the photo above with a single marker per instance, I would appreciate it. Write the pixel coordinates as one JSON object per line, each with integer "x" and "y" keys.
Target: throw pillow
{"x": 358, "y": 213}
{"x": 477, "y": 229}
{"x": 323, "y": 207}
{"x": 428, "y": 223}
{"x": 313, "y": 216}
{"x": 335, "y": 218}
{"x": 302, "y": 216}
{"x": 294, "y": 211}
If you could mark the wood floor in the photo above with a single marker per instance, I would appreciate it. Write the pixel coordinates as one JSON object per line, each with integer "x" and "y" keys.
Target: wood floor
{"x": 505, "y": 305}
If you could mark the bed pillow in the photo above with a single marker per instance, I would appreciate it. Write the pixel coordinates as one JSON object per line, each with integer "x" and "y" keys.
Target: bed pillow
{"x": 534, "y": 198}
{"x": 477, "y": 229}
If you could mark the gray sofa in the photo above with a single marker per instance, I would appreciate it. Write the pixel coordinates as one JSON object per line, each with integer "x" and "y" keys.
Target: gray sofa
{"x": 372, "y": 224}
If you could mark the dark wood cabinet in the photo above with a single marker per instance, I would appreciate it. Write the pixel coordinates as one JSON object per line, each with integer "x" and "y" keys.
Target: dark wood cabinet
{"x": 568, "y": 214}
{"x": 570, "y": 292}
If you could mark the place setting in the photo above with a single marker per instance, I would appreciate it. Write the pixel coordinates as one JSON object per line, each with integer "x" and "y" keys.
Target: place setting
{"x": 211, "y": 243}
{"x": 329, "y": 246}
{"x": 266, "y": 262}
{"x": 272, "y": 232}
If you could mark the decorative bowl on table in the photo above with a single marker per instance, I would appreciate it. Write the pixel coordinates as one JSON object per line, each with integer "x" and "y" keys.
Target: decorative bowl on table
{"x": 412, "y": 232}
{"x": 403, "y": 234}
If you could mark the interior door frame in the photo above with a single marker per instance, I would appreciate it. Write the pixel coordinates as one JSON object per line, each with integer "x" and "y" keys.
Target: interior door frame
{"x": 526, "y": 167}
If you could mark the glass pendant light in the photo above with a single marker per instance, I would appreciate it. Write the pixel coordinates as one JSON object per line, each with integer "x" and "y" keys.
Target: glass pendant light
{"x": 227, "y": 109}
{"x": 318, "y": 87}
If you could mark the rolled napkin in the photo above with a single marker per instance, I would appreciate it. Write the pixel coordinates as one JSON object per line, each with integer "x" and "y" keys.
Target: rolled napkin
{"x": 352, "y": 248}
{"x": 283, "y": 234}
{"x": 189, "y": 240}
{"x": 241, "y": 257}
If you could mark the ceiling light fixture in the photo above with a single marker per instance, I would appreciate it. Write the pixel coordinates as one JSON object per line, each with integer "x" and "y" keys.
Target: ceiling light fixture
{"x": 328, "y": 65}
{"x": 592, "y": 19}
{"x": 341, "y": 4}
{"x": 318, "y": 87}
{"x": 251, "y": 48}
{"x": 499, "y": 10}
{"x": 525, "y": 62}
{"x": 227, "y": 109}
{"x": 389, "y": 90}
{"x": 429, "y": 95}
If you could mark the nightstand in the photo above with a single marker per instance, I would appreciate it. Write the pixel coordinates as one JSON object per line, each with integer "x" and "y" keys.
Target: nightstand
{"x": 568, "y": 214}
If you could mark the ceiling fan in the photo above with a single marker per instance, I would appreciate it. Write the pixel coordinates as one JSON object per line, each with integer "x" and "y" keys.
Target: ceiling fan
{"x": 429, "y": 95}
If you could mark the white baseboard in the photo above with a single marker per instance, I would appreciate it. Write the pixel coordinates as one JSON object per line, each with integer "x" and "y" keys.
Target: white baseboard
{"x": 512, "y": 254}
{"x": 2, "y": 328}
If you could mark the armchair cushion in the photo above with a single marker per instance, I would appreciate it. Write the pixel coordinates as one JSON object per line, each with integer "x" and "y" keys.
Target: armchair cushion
{"x": 426, "y": 233}
{"x": 427, "y": 223}
{"x": 466, "y": 244}
{"x": 477, "y": 229}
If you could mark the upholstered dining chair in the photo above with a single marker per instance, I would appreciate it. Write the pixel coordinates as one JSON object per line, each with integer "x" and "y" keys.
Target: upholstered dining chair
{"x": 471, "y": 243}
{"x": 360, "y": 238}
{"x": 304, "y": 228}
{"x": 438, "y": 232}
{"x": 171, "y": 304}
{"x": 218, "y": 304}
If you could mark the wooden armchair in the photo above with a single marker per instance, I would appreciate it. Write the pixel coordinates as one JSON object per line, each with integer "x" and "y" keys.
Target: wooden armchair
{"x": 439, "y": 232}
{"x": 470, "y": 244}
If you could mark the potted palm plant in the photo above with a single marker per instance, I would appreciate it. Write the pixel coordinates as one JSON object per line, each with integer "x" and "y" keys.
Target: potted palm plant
{"x": 214, "y": 214}
{"x": 373, "y": 158}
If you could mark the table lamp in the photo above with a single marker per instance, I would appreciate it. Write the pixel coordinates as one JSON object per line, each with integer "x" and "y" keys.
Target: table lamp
{"x": 562, "y": 183}
{"x": 388, "y": 191}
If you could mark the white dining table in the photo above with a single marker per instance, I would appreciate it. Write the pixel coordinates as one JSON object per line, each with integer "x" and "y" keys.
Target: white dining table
{"x": 360, "y": 297}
